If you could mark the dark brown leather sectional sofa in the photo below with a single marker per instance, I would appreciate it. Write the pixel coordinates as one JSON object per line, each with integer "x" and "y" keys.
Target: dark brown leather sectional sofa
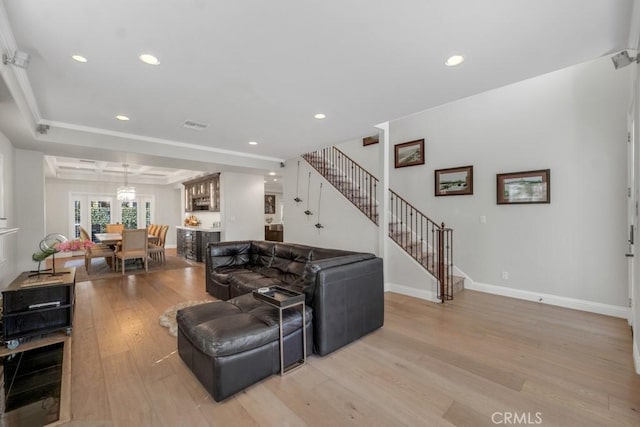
{"x": 232, "y": 344}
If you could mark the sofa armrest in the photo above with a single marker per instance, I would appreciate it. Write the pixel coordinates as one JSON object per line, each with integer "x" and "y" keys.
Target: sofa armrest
{"x": 348, "y": 302}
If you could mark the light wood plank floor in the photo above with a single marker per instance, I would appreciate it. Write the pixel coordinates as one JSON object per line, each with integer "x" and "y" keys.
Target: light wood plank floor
{"x": 455, "y": 364}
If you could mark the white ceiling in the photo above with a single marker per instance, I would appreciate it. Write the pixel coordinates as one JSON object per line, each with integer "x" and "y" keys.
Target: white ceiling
{"x": 93, "y": 170}
{"x": 259, "y": 70}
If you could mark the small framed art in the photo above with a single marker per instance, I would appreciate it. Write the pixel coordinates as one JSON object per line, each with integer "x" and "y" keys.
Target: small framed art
{"x": 524, "y": 187}
{"x": 454, "y": 181}
{"x": 370, "y": 140}
{"x": 409, "y": 153}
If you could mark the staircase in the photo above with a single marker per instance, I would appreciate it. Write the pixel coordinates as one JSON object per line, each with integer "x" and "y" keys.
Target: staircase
{"x": 348, "y": 177}
{"x": 430, "y": 244}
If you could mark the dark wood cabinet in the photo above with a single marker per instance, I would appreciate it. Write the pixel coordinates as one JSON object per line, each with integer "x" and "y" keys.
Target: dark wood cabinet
{"x": 180, "y": 242}
{"x": 192, "y": 243}
{"x": 274, "y": 232}
{"x": 35, "y": 310}
{"x": 202, "y": 194}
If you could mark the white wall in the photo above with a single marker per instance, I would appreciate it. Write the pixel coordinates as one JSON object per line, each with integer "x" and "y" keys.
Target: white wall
{"x": 8, "y": 243}
{"x": 345, "y": 227}
{"x": 573, "y": 122}
{"x": 366, "y": 157}
{"x": 168, "y": 206}
{"x": 29, "y": 207}
{"x": 635, "y": 261}
{"x": 242, "y": 206}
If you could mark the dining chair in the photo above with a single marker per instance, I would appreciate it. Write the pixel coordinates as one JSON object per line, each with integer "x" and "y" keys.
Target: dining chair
{"x": 114, "y": 228}
{"x": 95, "y": 251}
{"x": 135, "y": 244}
{"x": 156, "y": 250}
{"x": 153, "y": 230}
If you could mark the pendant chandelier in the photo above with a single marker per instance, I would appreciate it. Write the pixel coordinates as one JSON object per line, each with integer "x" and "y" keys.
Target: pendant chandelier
{"x": 126, "y": 193}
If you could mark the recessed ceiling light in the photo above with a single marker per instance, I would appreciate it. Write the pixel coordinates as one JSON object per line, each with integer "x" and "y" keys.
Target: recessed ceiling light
{"x": 79, "y": 58}
{"x": 319, "y": 116}
{"x": 454, "y": 60}
{"x": 265, "y": 181}
{"x": 149, "y": 59}
{"x": 253, "y": 143}
{"x": 275, "y": 179}
{"x": 272, "y": 173}
{"x": 122, "y": 118}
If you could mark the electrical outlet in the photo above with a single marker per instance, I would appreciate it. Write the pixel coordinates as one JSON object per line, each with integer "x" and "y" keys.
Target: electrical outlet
{"x": 505, "y": 275}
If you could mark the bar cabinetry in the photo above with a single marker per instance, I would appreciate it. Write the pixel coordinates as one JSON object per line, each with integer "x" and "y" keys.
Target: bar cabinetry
{"x": 202, "y": 194}
{"x": 192, "y": 243}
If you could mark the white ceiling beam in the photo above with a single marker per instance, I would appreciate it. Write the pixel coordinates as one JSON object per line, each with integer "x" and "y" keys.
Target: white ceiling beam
{"x": 100, "y": 166}
{"x": 140, "y": 170}
{"x": 51, "y": 163}
{"x": 16, "y": 78}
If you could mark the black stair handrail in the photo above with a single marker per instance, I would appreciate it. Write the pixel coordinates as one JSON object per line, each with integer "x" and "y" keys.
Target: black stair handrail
{"x": 348, "y": 177}
{"x": 430, "y": 244}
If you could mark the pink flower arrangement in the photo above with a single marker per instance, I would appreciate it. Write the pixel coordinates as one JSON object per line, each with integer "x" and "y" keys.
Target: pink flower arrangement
{"x": 74, "y": 245}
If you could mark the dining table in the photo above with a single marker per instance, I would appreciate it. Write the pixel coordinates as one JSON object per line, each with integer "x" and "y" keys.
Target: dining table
{"x": 115, "y": 238}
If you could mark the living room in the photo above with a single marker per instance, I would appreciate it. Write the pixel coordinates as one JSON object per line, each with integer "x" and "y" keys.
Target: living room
{"x": 569, "y": 116}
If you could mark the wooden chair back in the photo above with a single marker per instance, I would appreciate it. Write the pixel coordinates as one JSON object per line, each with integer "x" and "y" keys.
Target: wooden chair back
{"x": 84, "y": 236}
{"x": 134, "y": 240}
{"x": 153, "y": 229}
{"x": 162, "y": 236}
{"x": 115, "y": 228}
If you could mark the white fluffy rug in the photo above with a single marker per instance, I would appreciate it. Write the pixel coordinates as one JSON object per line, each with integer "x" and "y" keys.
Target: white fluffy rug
{"x": 168, "y": 318}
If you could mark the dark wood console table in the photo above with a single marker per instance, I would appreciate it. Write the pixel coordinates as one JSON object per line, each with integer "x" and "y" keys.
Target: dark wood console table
{"x": 274, "y": 232}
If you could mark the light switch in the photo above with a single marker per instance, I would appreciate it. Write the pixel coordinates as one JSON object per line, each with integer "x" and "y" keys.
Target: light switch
{"x": 483, "y": 219}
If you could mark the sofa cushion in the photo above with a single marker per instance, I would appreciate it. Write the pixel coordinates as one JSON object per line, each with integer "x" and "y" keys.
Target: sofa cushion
{"x": 230, "y": 254}
{"x": 262, "y": 253}
{"x": 274, "y": 273}
{"x": 290, "y": 258}
{"x": 247, "y": 282}
{"x": 222, "y": 274}
{"x": 240, "y": 324}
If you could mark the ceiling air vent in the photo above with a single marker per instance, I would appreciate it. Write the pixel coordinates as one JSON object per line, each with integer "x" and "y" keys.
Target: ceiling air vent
{"x": 87, "y": 161}
{"x": 190, "y": 124}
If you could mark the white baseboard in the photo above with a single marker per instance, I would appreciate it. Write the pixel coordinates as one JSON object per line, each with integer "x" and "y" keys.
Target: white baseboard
{"x": 636, "y": 356}
{"x": 171, "y": 246}
{"x": 576, "y": 304}
{"x": 412, "y": 292}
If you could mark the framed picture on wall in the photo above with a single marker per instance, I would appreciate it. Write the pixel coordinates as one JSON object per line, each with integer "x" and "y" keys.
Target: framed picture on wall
{"x": 370, "y": 140}
{"x": 270, "y": 204}
{"x": 409, "y": 153}
{"x": 454, "y": 181}
{"x": 524, "y": 187}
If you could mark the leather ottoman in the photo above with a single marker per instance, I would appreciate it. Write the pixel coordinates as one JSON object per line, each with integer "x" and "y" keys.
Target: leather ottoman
{"x": 230, "y": 345}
